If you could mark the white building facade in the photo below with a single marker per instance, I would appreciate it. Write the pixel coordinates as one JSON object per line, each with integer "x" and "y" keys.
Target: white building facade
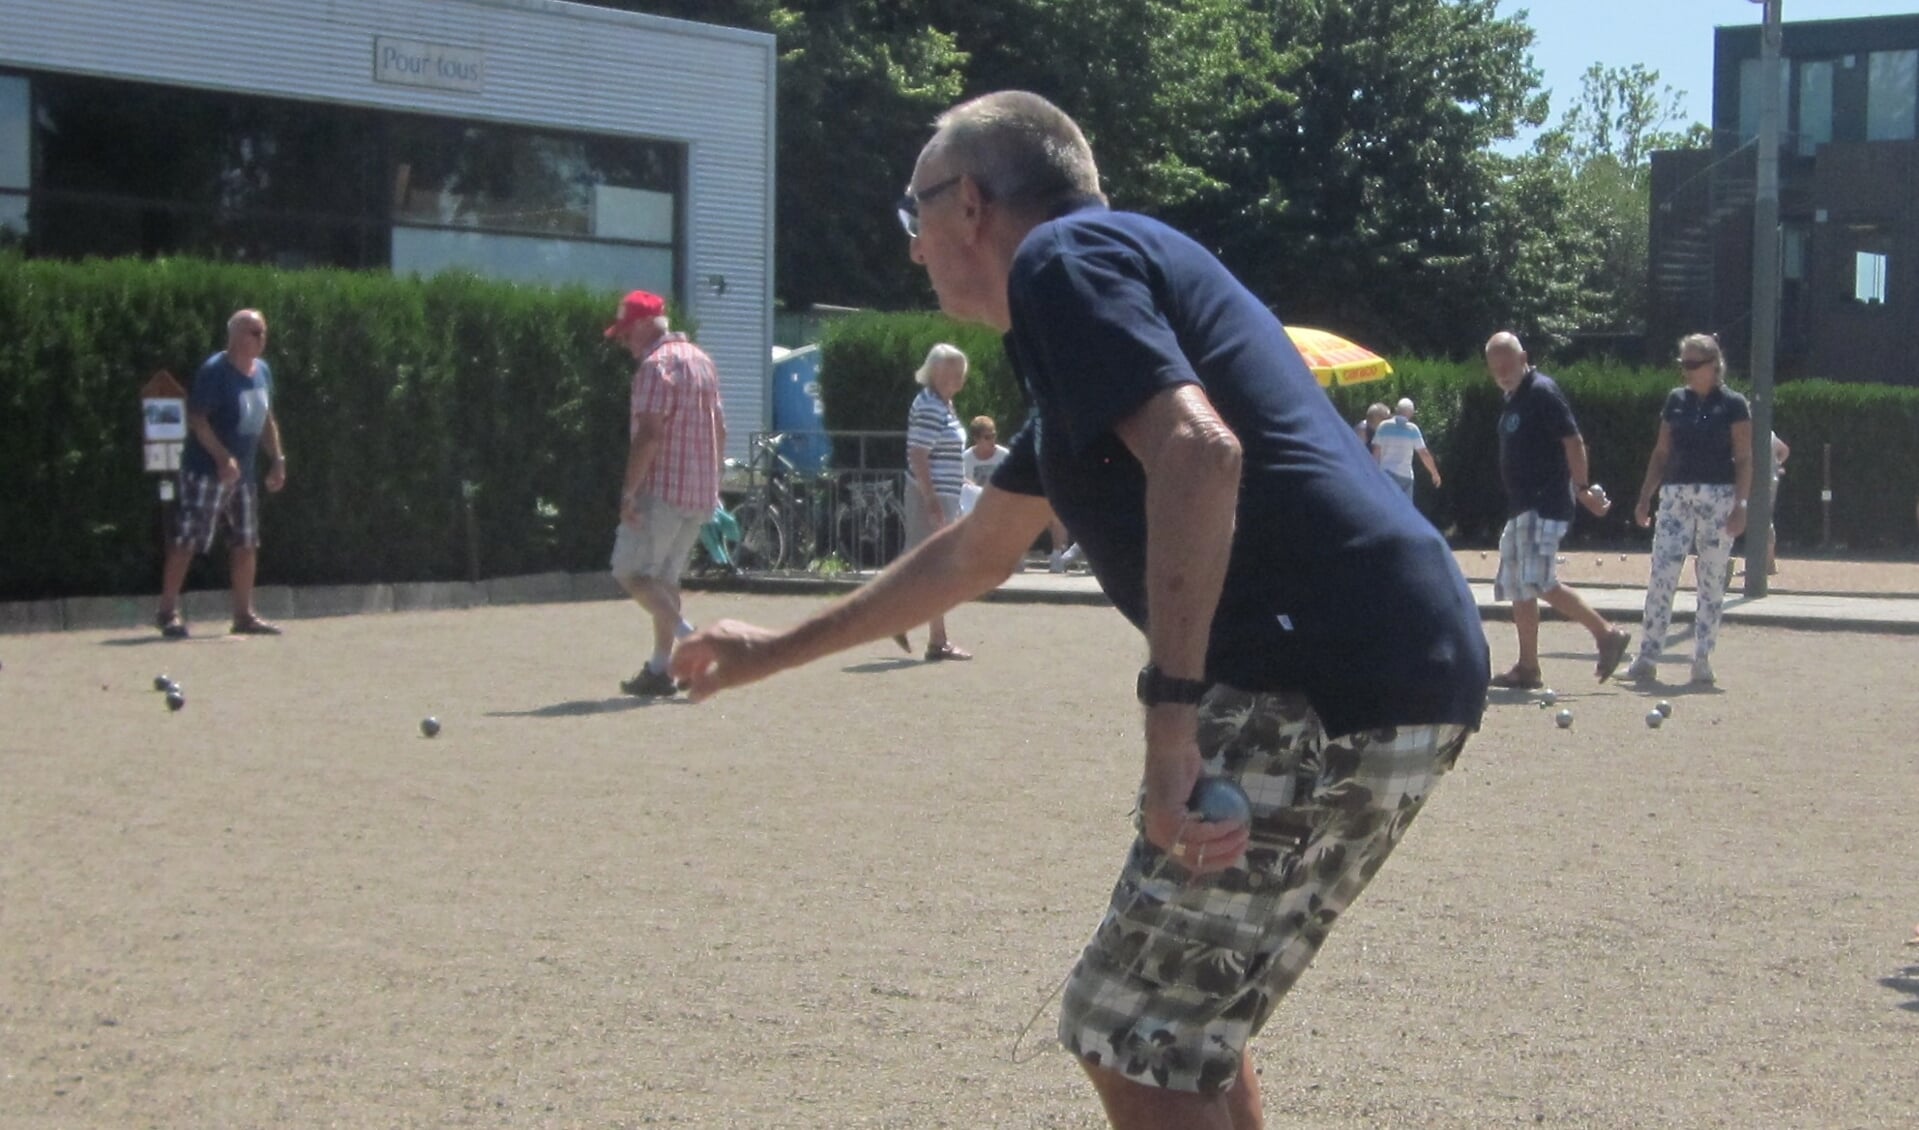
{"x": 531, "y": 140}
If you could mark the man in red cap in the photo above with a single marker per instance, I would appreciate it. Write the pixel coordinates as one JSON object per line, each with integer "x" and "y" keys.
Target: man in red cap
{"x": 678, "y": 439}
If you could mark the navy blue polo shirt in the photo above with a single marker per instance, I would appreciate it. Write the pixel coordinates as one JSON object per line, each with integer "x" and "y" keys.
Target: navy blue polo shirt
{"x": 1700, "y": 428}
{"x": 1533, "y": 427}
{"x": 1336, "y": 587}
{"x": 236, "y": 406}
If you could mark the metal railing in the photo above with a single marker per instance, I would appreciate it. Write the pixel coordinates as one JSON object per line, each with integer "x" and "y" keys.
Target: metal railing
{"x": 821, "y": 502}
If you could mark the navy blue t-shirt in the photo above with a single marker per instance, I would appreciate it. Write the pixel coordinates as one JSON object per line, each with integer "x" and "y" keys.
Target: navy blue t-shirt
{"x": 235, "y": 404}
{"x": 1533, "y": 427}
{"x": 1336, "y": 587}
{"x": 1701, "y": 431}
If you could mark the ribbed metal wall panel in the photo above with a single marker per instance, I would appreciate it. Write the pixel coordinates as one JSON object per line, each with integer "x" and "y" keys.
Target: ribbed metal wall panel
{"x": 547, "y": 64}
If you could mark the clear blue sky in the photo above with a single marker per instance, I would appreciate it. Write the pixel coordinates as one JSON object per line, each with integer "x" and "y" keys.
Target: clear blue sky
{"x": 1673, "y": 37}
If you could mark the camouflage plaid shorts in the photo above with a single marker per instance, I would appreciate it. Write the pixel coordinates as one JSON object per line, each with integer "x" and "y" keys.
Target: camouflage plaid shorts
{"x": 1181, "y": 972}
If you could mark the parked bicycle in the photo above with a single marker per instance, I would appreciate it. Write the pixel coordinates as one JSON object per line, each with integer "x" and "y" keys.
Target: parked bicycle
{"x": 781, "y": 516}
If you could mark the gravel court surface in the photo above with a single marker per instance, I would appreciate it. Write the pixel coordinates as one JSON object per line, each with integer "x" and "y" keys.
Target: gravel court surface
{"x": 832, "y": 900}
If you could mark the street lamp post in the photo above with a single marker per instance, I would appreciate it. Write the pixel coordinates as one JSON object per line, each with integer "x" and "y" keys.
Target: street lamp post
{"x": 1765, "y": 300}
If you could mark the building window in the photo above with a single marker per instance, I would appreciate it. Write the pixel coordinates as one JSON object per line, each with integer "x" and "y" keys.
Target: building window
{"x": 1869, "y": 278}
{"x": 1815, "y": 107}
{"x": 16, "y": 157}
{"x": 125, "y": 169}
{"x": 513, "y": 203}
{"x": 1792, "y": 240}
{"x": 1892, "y": 95}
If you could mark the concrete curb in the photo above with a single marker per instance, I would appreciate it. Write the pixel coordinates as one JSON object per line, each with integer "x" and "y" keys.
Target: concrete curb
{"x": 97, "y": 613}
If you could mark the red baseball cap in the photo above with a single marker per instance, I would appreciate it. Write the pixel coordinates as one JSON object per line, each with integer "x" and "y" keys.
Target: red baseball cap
{"x": 637, "y": 306}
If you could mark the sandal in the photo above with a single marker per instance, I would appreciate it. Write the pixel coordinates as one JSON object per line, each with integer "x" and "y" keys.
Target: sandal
{"x": 1611, "y": 651}
{"x": 1519, "y": 679}
{"x": 947, "y": 651}
{"x": 251, "y": 625}
{"x": 170, "y": 624}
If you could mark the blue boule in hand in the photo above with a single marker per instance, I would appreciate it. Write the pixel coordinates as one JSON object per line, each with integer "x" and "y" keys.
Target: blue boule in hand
{"x": 1219, "y": 800}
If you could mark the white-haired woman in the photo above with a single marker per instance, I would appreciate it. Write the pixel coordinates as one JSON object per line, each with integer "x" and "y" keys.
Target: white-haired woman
{"x": 935, "y": 447}
{"x": 1701, "y": 470}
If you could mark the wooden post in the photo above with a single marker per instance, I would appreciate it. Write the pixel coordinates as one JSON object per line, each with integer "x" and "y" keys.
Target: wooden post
{"x": 163, "y": 433}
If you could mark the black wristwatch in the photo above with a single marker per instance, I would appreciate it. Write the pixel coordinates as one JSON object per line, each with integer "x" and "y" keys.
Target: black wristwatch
{"x": 1156, "y": 687}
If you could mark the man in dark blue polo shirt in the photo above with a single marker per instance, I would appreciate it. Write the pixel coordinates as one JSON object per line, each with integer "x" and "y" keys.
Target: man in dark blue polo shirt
{"x": 229, "y": 418}
{"x": 1308, "y": 631}
{"x": 1542, "y": 464}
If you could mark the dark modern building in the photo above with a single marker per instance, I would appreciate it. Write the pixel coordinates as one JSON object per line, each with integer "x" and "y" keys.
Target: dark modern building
{"x": 1849, "y": 204}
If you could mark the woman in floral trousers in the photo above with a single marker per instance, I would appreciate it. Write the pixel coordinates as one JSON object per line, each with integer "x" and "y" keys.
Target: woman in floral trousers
{"x": 1701, "y": 471}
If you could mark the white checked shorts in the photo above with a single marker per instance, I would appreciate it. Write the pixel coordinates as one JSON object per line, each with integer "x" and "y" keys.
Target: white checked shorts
{"x": 1529, "y": 556}
{"x": 208, "y": 505}
{"x": 1183, "y": 971}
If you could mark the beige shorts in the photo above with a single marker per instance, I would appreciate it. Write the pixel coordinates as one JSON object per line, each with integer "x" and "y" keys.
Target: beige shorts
{"x": 917, "y": 527}
{"x": 659, "y": 548}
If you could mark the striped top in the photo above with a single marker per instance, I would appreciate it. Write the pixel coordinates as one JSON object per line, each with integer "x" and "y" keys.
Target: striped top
{"x": 932, "y": 427}
{"x": 677, "y": 380}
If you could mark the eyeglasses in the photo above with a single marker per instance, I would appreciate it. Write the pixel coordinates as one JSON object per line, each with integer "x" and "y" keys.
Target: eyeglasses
{"x": 1689, "y": 364}
{"x": 909, "y": 205}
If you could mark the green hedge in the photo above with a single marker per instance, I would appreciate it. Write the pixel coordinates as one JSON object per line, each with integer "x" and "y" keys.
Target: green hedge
{"x": 393, "y": 396}
{"x": 867, "y": 364}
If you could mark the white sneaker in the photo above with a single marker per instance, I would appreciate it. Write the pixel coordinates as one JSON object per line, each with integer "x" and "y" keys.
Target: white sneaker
{"x": 1702, "y": 672}
{"x": 1073, "y": 555}
{"x": 1056, "y": 561}
{"x": 1642, "y": 671}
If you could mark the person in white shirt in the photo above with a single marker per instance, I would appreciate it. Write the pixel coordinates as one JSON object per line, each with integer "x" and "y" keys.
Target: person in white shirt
{"x": 981, "y": 458}
{"x": 1396, "y": 441}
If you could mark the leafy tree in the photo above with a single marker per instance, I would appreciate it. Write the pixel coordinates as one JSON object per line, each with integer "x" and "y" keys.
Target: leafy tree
{"x": 1602, "y": 149}
{"x": 1358, "y": 193}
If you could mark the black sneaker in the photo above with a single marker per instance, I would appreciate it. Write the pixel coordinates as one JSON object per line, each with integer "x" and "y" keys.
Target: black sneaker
{"x": 650, "y": 684}
{"x": 170, "y": 625}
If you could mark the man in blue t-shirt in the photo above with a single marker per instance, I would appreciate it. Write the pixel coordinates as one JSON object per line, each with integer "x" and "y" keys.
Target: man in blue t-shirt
{"x": 1542, "y": 464}
{"x": 1309, "y": 634}
{"x": 229, "y": 418}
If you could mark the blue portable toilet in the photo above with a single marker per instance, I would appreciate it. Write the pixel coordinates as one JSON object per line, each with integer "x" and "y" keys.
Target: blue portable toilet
{"x": 797, "y": 410}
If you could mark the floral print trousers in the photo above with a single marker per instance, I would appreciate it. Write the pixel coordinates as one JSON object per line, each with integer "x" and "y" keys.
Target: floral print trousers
{"x": 1691, "y": 519}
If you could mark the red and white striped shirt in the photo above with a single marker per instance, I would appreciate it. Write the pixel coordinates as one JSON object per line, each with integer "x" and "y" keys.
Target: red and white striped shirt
{"x": 677, "y": 380}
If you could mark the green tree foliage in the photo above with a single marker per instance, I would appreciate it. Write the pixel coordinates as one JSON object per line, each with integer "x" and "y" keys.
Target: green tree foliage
{"x": 1601, "y": 152}
{"x": 1153, "y": 83}
{"x": 1357, "y": 194}
{"x": 1338, "y": 154}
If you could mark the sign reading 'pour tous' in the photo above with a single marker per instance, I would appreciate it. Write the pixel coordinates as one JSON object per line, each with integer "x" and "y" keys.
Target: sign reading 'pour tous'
{"x": 411, "y": 62}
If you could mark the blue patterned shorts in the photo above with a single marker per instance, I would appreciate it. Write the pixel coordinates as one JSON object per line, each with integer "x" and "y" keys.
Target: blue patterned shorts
{"x": 1529, "y": 557}
{"x": 206, "y": 504}
{"x": 1183, "y": 971}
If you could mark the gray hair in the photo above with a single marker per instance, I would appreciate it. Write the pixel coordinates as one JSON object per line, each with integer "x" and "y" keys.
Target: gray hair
{"x": 1709, "y": 345}
{"x": 243, "y": 317}
{"x": 1505, "y": 341}
{"x": 939, "y": 355}
{"x": 1405, "y": 406}
{"x": 1022, "y": 150}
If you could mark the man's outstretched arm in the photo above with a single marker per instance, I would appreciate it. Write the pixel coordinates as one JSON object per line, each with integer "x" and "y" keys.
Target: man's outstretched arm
{"x": 956, "y": 564}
